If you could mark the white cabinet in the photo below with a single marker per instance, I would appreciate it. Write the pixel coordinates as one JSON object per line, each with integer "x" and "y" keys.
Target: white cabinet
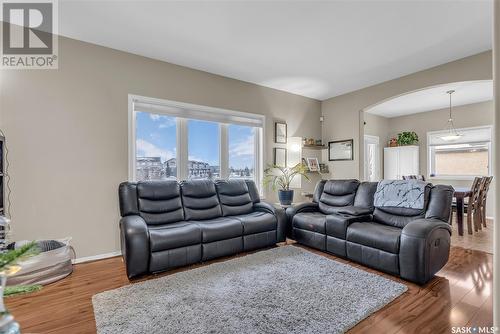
{"x": 399, "y": 161}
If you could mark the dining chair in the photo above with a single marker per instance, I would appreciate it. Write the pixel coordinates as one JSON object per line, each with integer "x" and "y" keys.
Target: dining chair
{"x": 414, "y": 177}
{"x": 477, "y": 215}
{"x": 469, "y": 204}
{"x": 482, "y": 199}
{"x": 472, "y": 205}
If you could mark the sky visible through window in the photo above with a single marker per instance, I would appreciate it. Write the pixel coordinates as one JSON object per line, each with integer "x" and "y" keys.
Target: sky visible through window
{"x": 241, "y": 151}
{"x": 156, "y": 138}
{"x": 203, "y": 142}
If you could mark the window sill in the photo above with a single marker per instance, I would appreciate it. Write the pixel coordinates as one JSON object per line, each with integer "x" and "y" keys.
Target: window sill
{"x": 453, "y": 177}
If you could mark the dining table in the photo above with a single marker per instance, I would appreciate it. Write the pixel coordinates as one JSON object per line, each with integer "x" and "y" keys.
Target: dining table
{"x": 460, "y": 194}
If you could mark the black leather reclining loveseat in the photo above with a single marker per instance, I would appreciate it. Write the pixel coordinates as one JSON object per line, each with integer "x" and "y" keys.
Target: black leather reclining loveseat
{"x": 342, "y": 220}
{"x": 165, "y": 224}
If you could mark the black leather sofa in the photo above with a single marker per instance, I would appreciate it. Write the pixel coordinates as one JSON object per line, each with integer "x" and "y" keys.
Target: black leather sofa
{"x": 342, "y": 220}
{"x": 166, "y": 224}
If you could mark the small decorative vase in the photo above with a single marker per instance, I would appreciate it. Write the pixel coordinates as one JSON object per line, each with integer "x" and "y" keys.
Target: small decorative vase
{"x": 7, "y": 323}
{"x": 285, "y": 197}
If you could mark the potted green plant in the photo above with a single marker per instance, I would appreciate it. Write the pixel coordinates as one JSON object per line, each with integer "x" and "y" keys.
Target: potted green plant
{"x": 407, "y": 138}
{"x": 9, "y": 265}
{"x": 280, "y": 177}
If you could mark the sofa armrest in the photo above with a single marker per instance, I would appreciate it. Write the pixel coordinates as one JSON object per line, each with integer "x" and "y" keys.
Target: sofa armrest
{"x": 355, "y": 210}
{"x": 134, "y": 237}
{"x": 280, "y": 215}
{"x": 302, "y": 207}
{"x": 423, "y": 228}
{"x": 424, "y": 249}
{"x": 264, "y": 206}
{"x": 298, "y": 208}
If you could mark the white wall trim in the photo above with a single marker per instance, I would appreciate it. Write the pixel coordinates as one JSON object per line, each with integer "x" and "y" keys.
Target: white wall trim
{"x": 96, "y": 257}
{"x": 131, "y": 139}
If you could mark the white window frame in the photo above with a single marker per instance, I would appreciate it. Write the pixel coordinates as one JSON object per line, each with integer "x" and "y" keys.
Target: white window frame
{"x": 430, "y": 158}
{"x": 182, "y": 137}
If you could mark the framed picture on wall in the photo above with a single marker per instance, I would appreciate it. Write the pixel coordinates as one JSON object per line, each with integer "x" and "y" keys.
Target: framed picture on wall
{"x": 341, "y": 150}
{"x": 280, "y": 156}
{"x": 280, "y": 133}
{"x": 313, "y": 164}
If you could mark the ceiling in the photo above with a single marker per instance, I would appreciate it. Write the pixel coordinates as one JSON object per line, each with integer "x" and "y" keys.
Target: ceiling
{"x": 434, "y": 98}
{"x": 315, "y": 49}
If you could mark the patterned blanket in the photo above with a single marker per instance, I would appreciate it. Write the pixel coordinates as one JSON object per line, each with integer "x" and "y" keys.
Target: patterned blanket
{"x": 400, "y": 194}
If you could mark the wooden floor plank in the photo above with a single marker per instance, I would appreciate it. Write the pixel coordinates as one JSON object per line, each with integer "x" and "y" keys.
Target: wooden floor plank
{"x": 460, "y": 295}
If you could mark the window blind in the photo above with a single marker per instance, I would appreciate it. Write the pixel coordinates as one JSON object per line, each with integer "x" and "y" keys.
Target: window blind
{"x": 190, "y": 111}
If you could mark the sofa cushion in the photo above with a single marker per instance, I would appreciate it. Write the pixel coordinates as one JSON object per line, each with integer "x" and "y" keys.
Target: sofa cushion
{"x": 234, "y": 197}
{"x": 221, "y": 228}
{"x": 336, "y": 226}
{"x": 253, "y": 191}
{"x": 159, "y": 202}
{"x": 375, "y": 235}
{"x": 200, "y": 200}
{"x": 257, "y": 222}
{"x": 440, "y": 202}
{"x": 365, "y": 195}
{"x": 398, "y": 219}
{"x": 174, "y": 235}
{"x": 354, "y": 210}
{"x": 401, "y": 194}
{"x": 337, "y": 193}
{"x": 399, "y": 216}
{"x": 310, "y": 221}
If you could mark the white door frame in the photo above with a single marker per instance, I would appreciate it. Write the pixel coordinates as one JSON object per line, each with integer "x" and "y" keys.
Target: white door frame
{"x": 369, "y": 139}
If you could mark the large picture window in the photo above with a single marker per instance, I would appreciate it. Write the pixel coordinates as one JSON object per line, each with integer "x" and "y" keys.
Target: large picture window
{"x": 203, "y": 149}
{"x": 464, "y": 158}
{"x": 156, "y": 144}
{"x": 242, "y": 151}
{"x": 171, "y": 140}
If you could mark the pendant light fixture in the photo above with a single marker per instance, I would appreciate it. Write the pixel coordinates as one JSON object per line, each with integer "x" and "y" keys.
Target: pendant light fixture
{"x": 451, "y": 133}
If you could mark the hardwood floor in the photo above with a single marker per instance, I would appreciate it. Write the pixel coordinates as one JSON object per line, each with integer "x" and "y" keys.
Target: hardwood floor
{"x": 481, "y": 240}
{"x": 460, "y": 295}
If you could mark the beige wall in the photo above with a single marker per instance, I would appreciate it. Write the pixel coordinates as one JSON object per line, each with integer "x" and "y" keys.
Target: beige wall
{"x": 342, "y": 113}
{"x": 477, "y": 114}
{"x": 67, "y": 134}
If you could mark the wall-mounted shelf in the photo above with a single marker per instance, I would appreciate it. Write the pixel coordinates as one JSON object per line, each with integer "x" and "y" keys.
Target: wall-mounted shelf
{"x": 314, "y": 147}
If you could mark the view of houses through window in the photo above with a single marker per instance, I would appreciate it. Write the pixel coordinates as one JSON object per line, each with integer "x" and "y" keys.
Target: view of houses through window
{"x": 156, "y": 145}
{"x": 156, "y": 149}
{"x": 203, "y": 149}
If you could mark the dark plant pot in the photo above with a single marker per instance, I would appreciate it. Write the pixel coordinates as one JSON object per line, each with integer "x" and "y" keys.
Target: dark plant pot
{"x": 285, "y": 197}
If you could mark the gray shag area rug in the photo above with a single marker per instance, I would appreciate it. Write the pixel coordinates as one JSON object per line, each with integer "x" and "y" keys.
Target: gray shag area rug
{"x": 281, "y": 290}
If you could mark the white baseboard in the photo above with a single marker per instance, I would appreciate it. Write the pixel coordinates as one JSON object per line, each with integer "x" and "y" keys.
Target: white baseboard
{"x": 96, "y": 257}
{"x": 492, "y": 218}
